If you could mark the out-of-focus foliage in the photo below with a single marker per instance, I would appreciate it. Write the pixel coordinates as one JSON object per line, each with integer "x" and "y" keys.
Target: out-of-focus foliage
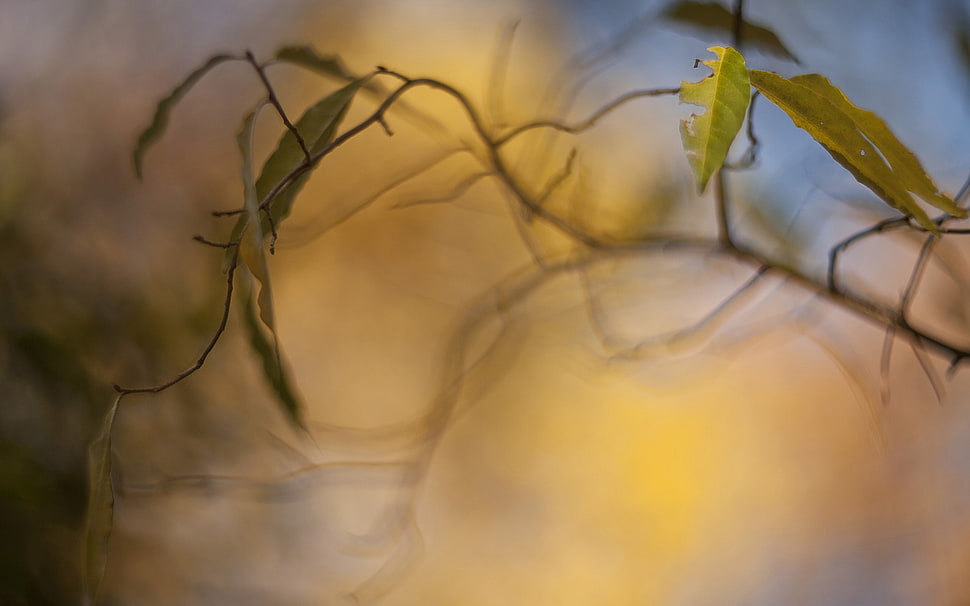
{"x": 714, "y": 19}
{"x": 100, "y": 510}
{"x": 743, "y": 466}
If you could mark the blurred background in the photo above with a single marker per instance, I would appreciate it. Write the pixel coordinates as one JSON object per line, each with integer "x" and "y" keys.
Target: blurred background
{"x": 756, "y": 463}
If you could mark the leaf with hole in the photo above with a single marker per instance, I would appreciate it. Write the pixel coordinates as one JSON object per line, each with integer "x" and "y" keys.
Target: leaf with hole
{"x": 725, "y": 94}
{"x": 164, "y": 109}
{"x": 858, "y": 140}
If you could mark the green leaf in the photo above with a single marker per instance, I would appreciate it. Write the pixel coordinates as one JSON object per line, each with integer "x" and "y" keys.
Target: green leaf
{"x": 725, "y": 93}
{"x": 165, "y": 107}
{"x": 318, "y": 127}
{"x": 307, "y": 56}
{"x": 713, "y": 18}
{"x": 100, "y": 514}
{"x": 858, "y": 140}
{"x": 273, "y": 367}
{"x": 254, "y": 256}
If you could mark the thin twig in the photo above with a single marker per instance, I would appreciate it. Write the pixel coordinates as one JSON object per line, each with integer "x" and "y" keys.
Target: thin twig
{"x": 885, "y": 363}
{"x": 588, "y": 122}
{"x": 939, "y": 388}
{"x": 207, "y": 242}
{"x": 721, "y": 202}
{"x": 557, "y": 179}
{"x": 840, "y": 248}
{"x": 738, "y": 29}
{"x": 499, "y": 71}
{"x": 213, "y": 340}
{"x": 750, "y": 156}
{"x": 916, "y": 275}
{"x": 276, "y": 104}
{"x": 456, "y": 192}
{"x": 706, "y": 324}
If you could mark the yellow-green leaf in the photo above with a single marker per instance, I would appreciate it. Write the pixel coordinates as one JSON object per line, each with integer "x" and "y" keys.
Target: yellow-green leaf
{"x": 165, "y": 107}
{"x": 858, "y": 140}
{"x": 725, "y": 94}
{"x": 100, "y": 513}
{"x": 713, "y": 18}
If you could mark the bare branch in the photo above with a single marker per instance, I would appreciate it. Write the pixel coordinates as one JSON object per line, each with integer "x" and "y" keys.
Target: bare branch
{"x": 456, "y": 192}
{"x": 705, "y": 325}
{"x": 843, "y": 246}
{"x": 919, "y": 269}
{"x": 885, "y": 362}
{"x": 203, "y": 240}
{"x": 939, "y": 387}
{"x": 721, "y": 204}
{"x": 260, "y": 70}
{"x": 499, "y": 71}
{"x": 588, "y": 122}
{"x": 209, "y": 346}
{"x": 557, "y": 179}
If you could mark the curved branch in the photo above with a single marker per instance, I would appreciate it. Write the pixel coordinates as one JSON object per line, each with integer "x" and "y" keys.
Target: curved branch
{"x": 588, "y": 122}
{"x": 213, "y": 340}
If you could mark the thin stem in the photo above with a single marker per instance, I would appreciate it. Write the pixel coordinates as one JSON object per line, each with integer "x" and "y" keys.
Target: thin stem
{"x": 844, "y": 245}
{"x": 885, "y": 364}
{"x": 723, "y": 218}
{"x": 588, "y": 122}
{"x": 456, "y": 192}
{"x": 919, "y": 269}
{"x": 213, "y": 340}
{"x": 276, "y": 103}
{"x": 738, "y": 30}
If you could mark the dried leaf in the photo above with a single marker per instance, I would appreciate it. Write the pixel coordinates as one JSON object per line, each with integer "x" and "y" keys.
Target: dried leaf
{"x": 708, "y": 136}
{"x": 100, "y": 513}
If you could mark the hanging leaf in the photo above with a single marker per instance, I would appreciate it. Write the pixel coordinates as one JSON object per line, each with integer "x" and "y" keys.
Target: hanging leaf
{"x": 251, "y": 246}
{"x": 100, "y": 513}
{"x": 307, "y": 56}
{"x": 711, "y": 18}
{"x": 858, "y": 140}
{"x": 903, "y": 162}
{"x": 254, "y": 257}
{"x": 165, "y": 107}
{"x": 318, "y": 127}
{"x": 725, "y": 93}
{"x": 273, "y": 367}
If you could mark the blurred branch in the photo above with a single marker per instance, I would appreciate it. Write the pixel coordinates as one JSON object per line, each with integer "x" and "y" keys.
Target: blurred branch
{"x": 415, "y": 441}
{"x": 589, "y": 122}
